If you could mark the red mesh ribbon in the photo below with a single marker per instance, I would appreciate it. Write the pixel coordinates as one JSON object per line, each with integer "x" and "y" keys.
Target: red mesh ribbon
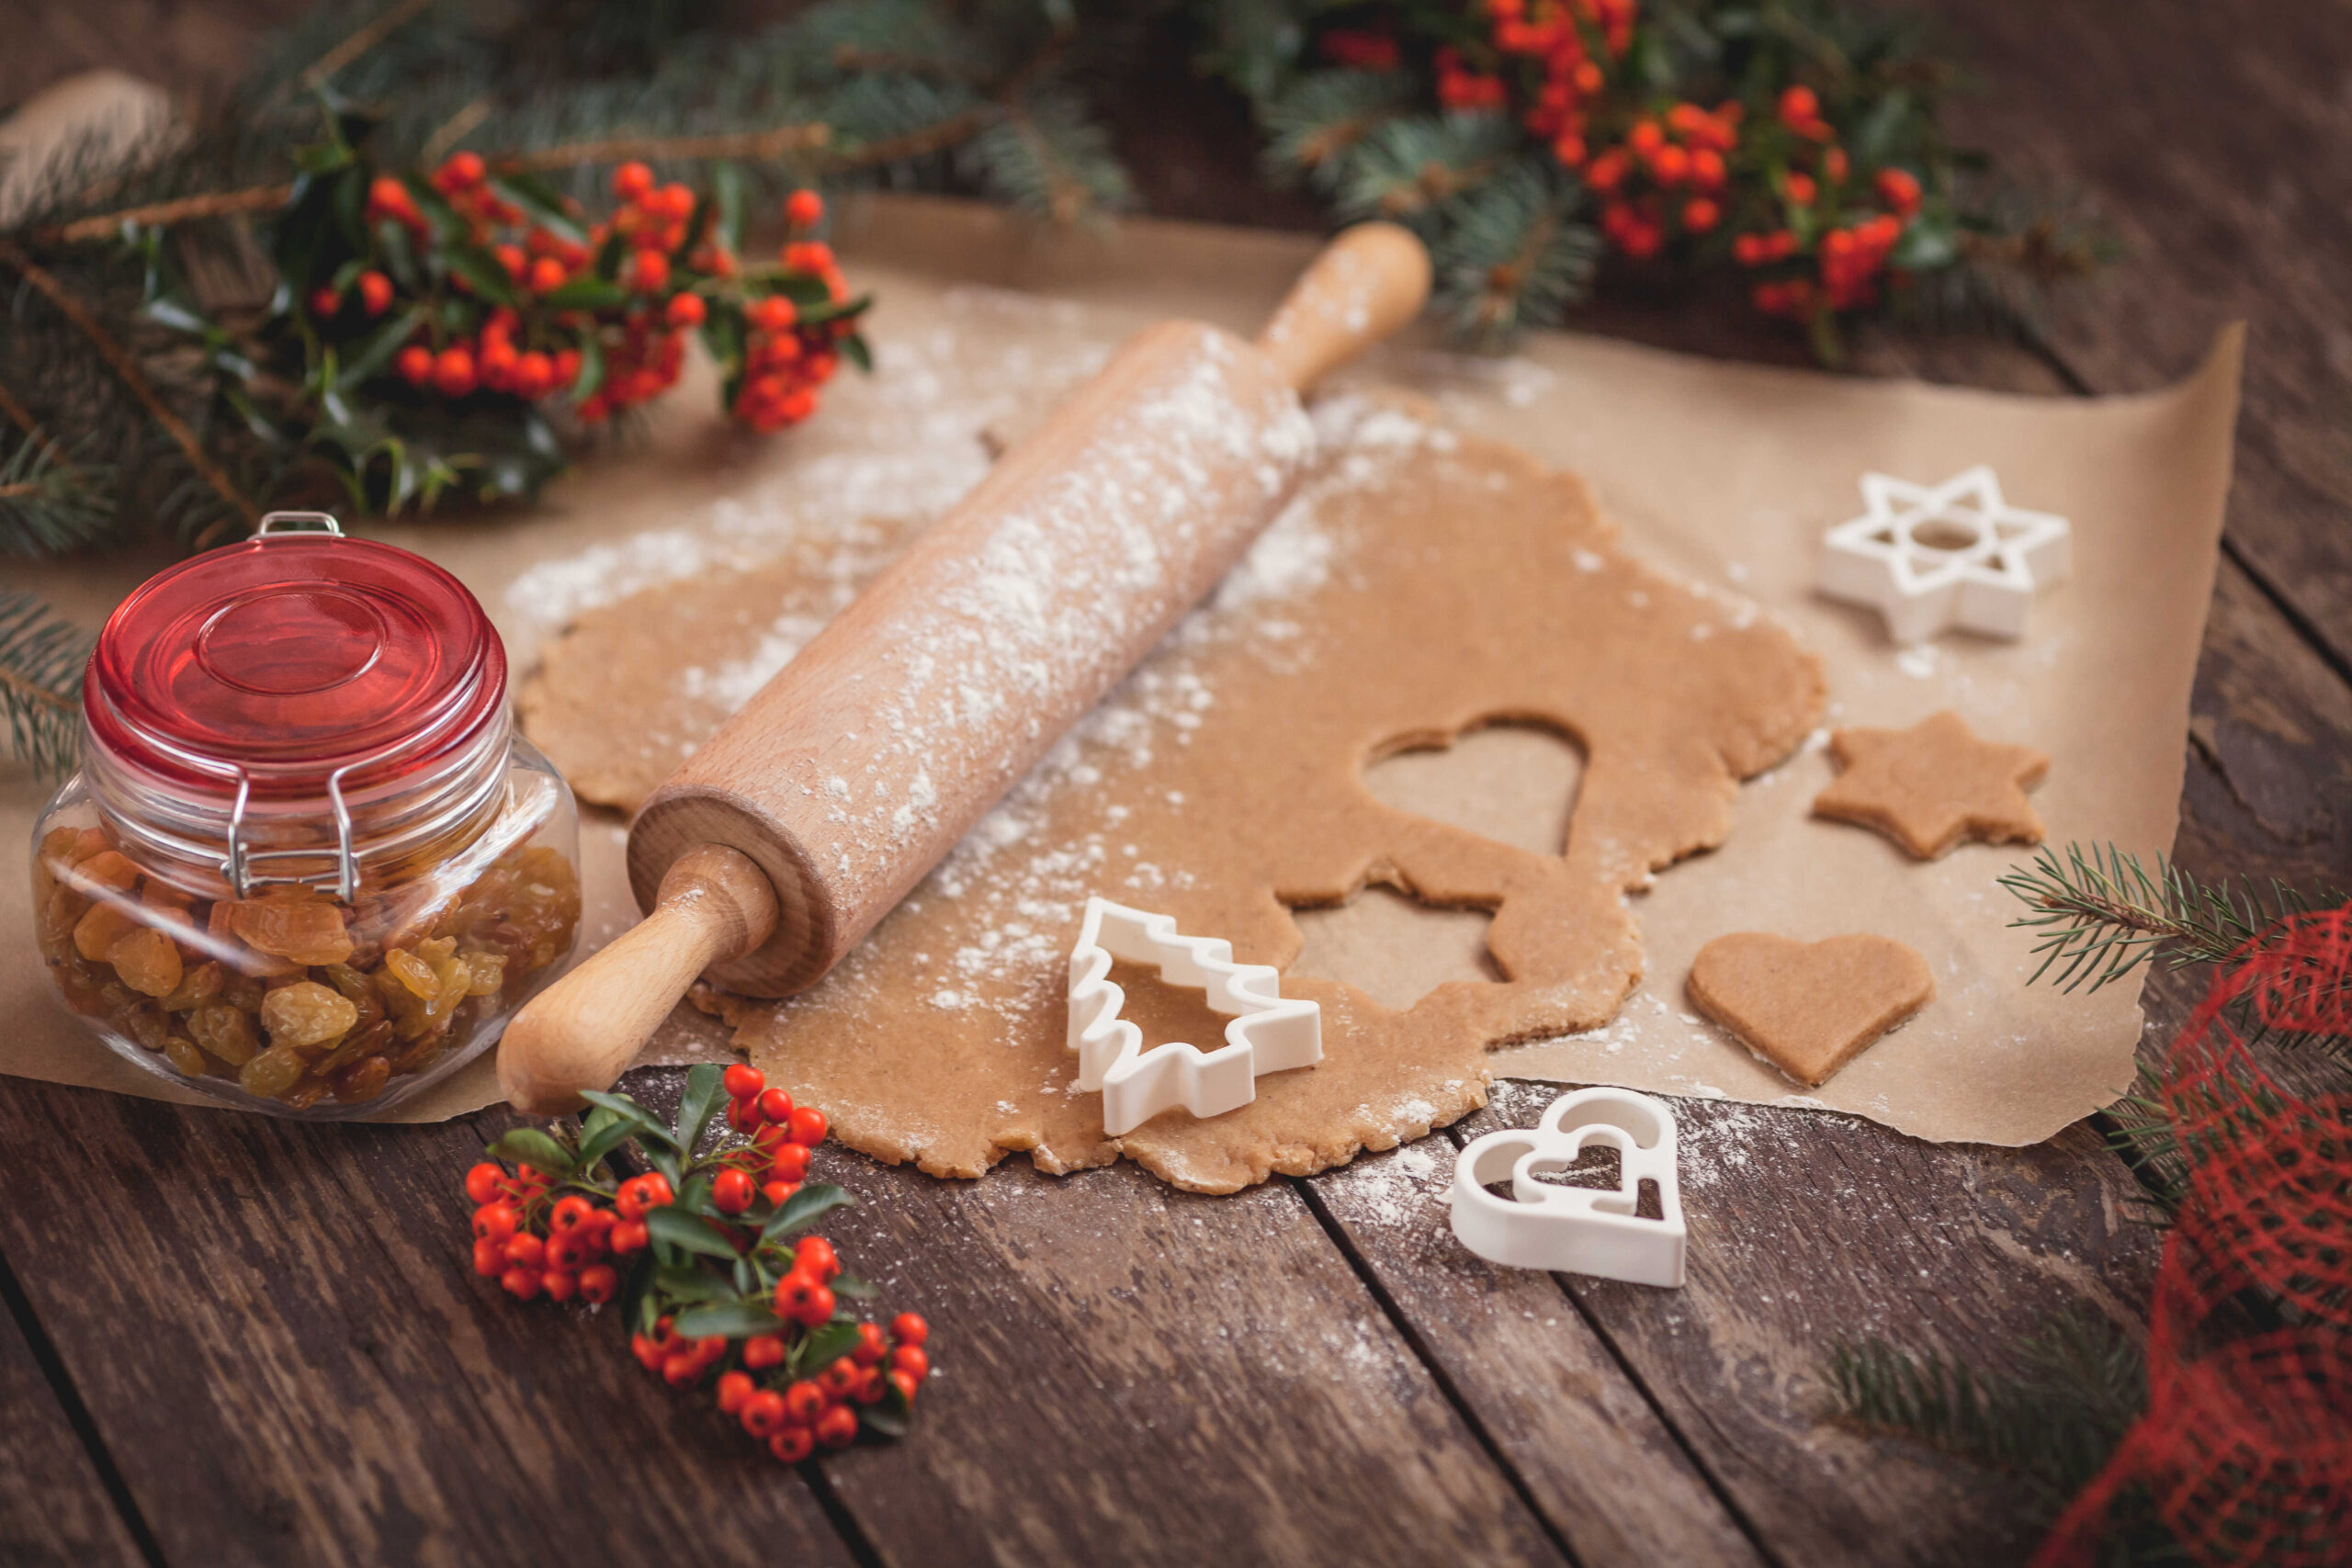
{"x": 2246, "y": 1445}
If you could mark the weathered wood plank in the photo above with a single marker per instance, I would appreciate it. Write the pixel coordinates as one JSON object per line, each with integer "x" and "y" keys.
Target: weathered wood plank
{"x": 54, "y": 1510}
{"x": 2217, "y": 139}
{"x": 1591, "y": 1452}
{"x": 1808, "y": 1228}
{"x": 1132, "y": 1374}
{"x": 283, "y": 1347}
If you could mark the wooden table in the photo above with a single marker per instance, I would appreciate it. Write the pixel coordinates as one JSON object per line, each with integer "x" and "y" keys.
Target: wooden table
{"x": 231, "y": 1340}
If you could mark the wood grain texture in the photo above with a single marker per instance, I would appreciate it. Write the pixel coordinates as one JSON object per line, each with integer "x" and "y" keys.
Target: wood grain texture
{"x": 1806, "y": 1228}
{"x": 282, "y": 1346}
{"x": 1136, "y": 1375}
{"x": 2216, "y": 140}
{"x": 1591, "y": 1452}
{"x": 54, "y": 1510}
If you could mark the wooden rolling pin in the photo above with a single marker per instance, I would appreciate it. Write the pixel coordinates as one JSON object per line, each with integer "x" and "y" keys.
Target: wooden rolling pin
{"x": 847, "y": 778}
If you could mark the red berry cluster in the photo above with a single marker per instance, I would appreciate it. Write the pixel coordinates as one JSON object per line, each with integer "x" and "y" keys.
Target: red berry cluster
{"x": 815, "y": 1375}
{"x": 821, "y": 1411}
{"x": 1572, "y": 47}
{"x": 533, "y": 1247}
{"x": 1669, "y": 174}
{"x": 603, "y": 318}
{"x": 1850, "y": 244}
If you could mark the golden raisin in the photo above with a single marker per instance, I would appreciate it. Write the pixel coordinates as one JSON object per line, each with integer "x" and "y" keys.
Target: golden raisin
{"x": 109, "y": 868}
{"x": 181, "y": 1051}
{"x": 304, "y": 929}
{"x": 273, "y": 1072}
{"x": 196, "y": 986}
{"x": 97, "y": 932}
{"x": 147, "y": 962}
{"x": 487, "y": 971}
{"x": 144, "y": 1021}
{"x": 225, "y": 1030}
{"x": 306, "y": 1013}
{"x": 412, "y": 972}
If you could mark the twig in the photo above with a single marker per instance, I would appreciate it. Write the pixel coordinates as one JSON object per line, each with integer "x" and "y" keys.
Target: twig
{"x": 179, "y": 209}
{"x": 756, "y": 145}
{"x": 33, "y": 691}
{"x": 387, "y": 22}
{"x": 453, "y": 130}
{"x": 128, "y": 369}
{"x": 19, "y": 415}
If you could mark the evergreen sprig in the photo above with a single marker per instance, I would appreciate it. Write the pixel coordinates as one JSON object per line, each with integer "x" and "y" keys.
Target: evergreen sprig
{"x": 42, "y": 655}
{"x": 2050, "y": 1420}
{"x": 2103, "y": 913}
{"x": 151, "y": 372}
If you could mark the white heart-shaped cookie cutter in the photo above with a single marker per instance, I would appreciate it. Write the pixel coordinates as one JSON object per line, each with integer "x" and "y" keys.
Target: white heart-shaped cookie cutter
{"x": 1271, "y": 1034}
{"x": 1575, "y": 1230}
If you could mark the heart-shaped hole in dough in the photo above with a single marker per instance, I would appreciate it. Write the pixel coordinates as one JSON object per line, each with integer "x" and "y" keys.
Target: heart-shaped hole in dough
{"x": 1513, "y": 782}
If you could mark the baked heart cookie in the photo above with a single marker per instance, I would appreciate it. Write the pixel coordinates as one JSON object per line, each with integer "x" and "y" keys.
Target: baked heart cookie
{"x": 1809, "y": 1007}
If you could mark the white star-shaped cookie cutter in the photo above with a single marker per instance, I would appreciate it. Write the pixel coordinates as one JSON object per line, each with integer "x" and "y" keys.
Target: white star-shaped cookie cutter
{"x": 1269, "y": 1032}
{"x": 1929, "y": 557}
{"x": 1575, "y": 1230}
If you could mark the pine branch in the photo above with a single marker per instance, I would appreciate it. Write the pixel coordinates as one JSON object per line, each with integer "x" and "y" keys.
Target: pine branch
{"x": 2104, "y": 913}
{"x": 2050, "y": 1421}
{"x": 41, "y": 682}
{"x": 1515, "y": 254}
{"x": 1042, "y": 155}
{"x": 1313, "y": 128}
{"x": 121, "y": 362}
{"x": 1407, "y": 169}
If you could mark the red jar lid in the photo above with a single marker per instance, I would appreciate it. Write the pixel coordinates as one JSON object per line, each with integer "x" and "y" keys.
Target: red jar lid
{"x": 290, "y": 656}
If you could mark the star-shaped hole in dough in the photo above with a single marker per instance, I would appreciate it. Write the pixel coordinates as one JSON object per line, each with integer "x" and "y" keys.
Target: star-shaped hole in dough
{"x": 1929, "y": 557}
{"x": 1933, "y": 785}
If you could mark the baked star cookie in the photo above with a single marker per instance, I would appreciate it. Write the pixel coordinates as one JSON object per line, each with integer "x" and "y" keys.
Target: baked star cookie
{"x": 1933, "y": 785}
{"x": 1809, "y": 1007}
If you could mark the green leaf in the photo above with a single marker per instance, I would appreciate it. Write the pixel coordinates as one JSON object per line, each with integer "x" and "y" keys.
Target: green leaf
{"x": 801, "y": 1210}
{"x": 853, "y": 349}
{"x": 1926, "y": 245}
{"x": 585, "y": 293}
{"x": 827, "y": 1344}
{"x": 369, "y": 355}
{"x": 886, "y": 1417}
{"x": 321, "y": 158}
{"x": 621, "y": 1105}
{"x": 727, "y": 190}
{"x": 584, "y": 384}
{"x": 687, "y": 1282}
{"x": 608, "y": 256}
{"x": 856, "y": 1289}
{"x": 691, "y": 1232}
{"x": 735, "y": 1319}
{"x": 482, "y": 270}
{"x": 542, "y": 201}
{"x": 603, "y": 1132}
{"x": 528, "y": 1145}
{"x": 705, "y": 1087}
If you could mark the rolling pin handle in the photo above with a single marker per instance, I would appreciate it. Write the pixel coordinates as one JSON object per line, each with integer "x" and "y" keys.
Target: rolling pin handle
{"x": 583, "y": 1031}
{"x": 1363, "y": 286}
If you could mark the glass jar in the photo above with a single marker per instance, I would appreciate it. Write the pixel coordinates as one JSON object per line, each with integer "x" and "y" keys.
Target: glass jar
{"x": 307, "y": 867}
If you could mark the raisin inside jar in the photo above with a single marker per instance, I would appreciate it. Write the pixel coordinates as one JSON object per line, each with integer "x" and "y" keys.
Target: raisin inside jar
{"x": 293, "y": 995}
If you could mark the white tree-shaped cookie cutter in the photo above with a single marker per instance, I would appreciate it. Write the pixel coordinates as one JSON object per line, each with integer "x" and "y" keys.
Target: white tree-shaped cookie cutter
{"x": 1575, "y": 1230}
{"x": 1270, "y": 1032}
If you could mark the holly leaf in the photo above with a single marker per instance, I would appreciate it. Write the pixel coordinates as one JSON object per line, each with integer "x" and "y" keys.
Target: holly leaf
{"x": 800, "y": 1211}
{"x": 528, "y": 1145}
{"x": 705, "y": 1087}
{"x": 735, "y": 1319}
{"x": 690, "y": 1232}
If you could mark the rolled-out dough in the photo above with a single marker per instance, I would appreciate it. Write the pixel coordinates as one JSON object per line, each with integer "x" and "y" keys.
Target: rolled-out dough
{"x": 1422, "y": 585}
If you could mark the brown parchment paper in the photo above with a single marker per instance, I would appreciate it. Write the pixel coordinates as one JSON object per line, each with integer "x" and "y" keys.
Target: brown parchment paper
{"x": 1723, "y": 474}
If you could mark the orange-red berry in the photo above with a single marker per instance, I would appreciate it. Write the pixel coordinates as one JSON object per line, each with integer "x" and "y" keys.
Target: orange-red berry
{"x": 837, "y": 1427}
{"x": 761, "y": 1351}
{"x": 733, "y": 1191}
{"x": 735, "y": 1388}
{"x": 375, "y": 292}
{"x": 908, "y": 1328}
{"x": 744, "y": 1081}
{"x": 804, "y": 208}
{"x": 804, "y": 1401}
{"x": 599, "y": 1282}
{"x": 632, "y": 180}
{"x": 808, "y": 1125}
{"x": 764, "y": 1413}
{"x": 792, "y": 1445}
